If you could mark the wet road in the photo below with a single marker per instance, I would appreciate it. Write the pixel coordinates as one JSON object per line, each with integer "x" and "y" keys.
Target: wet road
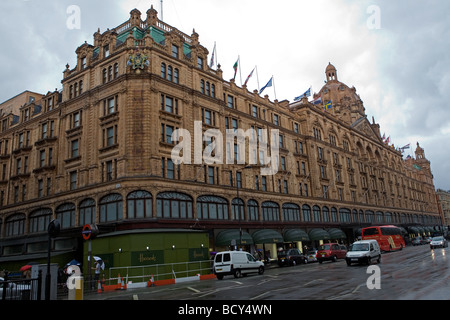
{"x": 415, "y": 273}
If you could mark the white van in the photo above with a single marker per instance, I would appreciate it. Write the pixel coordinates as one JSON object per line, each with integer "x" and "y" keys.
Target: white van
{"x": 363, "y": 251}
{"x": 237, "y": 263}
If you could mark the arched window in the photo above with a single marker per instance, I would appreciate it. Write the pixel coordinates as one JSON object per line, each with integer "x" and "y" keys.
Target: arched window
{"x": 15, "y": 225}
{"x": 253, "y": 210}
{"x": 237, "y": 206}
{"x": 326, "y": 214}
{"x": 104, "y": 76}
{"x": 139, "y": 204}
{"x": 174, "y": 205}
{"x": 39, "y": 220}
{"x": 87, "y": 212}
{"x": 270, "y": 211}
{"x": 163, "y": 70}
{"x": 316, "y": 213}
{"x": 388, "y": 217}
{"x": 369, "y": 216}
{"x": 170, "y": 73}
{"x": 212, "y": 207}
{"x": 361, "y": 216}
{"x": 111, "y": 208}
{"x": 176, "y": 76}
{"x": 306, "y": 213}
{"x": 334, "y": 216}
{"x": 355, "y": 215}
{"x": 344, "y": 215}
{"x": 291, "y": 212}
{"x": 66, "y": 215}
{"x": 379, "y": 217}
{"x": 116, "y": 70}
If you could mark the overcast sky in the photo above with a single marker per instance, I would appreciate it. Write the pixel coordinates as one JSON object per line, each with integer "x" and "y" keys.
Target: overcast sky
{"x": 395, "y": 53}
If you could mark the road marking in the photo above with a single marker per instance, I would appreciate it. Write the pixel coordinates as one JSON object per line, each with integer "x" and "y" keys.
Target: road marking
{"x": 259, "y": 296}
{"x": 315, "y": 280}
{"x": 195, "y": 290}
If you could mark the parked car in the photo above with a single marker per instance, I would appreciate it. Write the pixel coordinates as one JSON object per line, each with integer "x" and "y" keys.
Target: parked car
{"x": 331, "y": 251}
{"x": 237, "y": 263}
{"x": 312, "y": 255}
{"x": 438, "y": 242}
{"x": 363, "y": 251}
{"x": 426, "y": 240}
{"x": 417, "y": 241}
{"x": 291, "y": 257}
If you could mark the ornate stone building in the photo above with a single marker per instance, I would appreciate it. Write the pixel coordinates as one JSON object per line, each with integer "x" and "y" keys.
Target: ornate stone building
{"x": 99, "y": 152}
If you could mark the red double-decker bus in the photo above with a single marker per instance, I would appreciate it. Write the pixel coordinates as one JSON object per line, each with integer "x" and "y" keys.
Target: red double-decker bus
{"x": 389, "y": 237}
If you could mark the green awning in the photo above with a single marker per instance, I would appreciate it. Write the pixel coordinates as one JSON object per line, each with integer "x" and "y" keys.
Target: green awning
{"x": 293, "y": 235}
{"x": 318, "y": 234}
{"x": 413, "y": 230}
{"x": 267, "y": 236}
{"x": 336, "y": 234}
{"x": 224, "y": 238}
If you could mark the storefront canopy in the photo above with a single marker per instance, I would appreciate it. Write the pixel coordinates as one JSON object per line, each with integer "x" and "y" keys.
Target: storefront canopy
{"x": 267, "y": 236}
{"x": 318, "y": 234}
{"x": 293, "y": 235}
{"x": 336, "y": 234}
{"x": 414, "y": 230}
{"x": 225, "y": 238}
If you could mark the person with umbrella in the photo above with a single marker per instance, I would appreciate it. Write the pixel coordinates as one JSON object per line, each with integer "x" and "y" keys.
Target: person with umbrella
{"x": 99, "y": 266}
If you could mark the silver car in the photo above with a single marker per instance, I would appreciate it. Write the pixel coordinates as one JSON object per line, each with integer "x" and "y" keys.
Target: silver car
{"x": 437, "y": 242}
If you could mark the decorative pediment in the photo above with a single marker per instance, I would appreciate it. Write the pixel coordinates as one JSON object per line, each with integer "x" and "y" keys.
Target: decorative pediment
{"x": 363, "y": 125}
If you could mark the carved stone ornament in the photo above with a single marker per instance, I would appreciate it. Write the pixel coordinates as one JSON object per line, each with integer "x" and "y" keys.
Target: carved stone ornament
{"x": 138, "y": 60}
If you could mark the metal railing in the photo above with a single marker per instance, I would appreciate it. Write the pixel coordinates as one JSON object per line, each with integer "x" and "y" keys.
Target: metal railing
{"x": 160, "y": 271}
{"x": 21, "y": 289}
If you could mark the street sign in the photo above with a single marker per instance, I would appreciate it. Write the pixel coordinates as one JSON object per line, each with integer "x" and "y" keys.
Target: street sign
{"x": 87, "y": 232}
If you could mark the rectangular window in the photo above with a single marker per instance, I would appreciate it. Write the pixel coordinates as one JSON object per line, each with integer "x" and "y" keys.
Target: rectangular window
{"x": 264, "y": 183}
{"x": 75, "y": 149}
{"x": 210, "y": 175}
{"x": 44, "y": 131}
{"x": 230, "y": 102}
{"x": 109, "y": 170}
{"x": 40, "y": 188}
{"x": 174, "y": 51}
{"x": 276, "y": 119}
{"x": 73, "y": 180}
{"x": 42, "y": 158}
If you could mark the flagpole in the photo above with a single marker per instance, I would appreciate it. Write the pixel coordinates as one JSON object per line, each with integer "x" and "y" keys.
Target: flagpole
{"x": 215, "y": 49}
{"x": 274, "y": 91}
{"x": 257, "y": 76}
{"x": 240, "y": 69}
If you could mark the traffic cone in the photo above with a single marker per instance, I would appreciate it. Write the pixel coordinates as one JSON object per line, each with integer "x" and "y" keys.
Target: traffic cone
{"x": 152, "y": 281}
{"x": 118, "y": 282}
{"x": 99, "y": 287}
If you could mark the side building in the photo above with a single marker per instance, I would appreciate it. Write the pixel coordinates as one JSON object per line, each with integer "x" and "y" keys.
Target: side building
{"x": 99, "y": 152}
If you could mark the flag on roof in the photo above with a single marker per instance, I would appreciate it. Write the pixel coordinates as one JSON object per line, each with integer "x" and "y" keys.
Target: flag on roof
{"x": 269, "y": 84}
{"x": 317, "y": 100}
{"x": 249, "y": 76}
{"x": 406, "y": 147}
{"x": 235, "y": 67}
{"x": 328, "y": 105}
{"x": 211, "y": 63}
{"x": 306, "y": 94}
